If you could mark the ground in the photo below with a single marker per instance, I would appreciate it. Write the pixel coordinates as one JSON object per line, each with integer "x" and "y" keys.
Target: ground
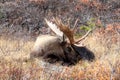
{"x": 22, "y": 20}
{"x": 15, "y": 63}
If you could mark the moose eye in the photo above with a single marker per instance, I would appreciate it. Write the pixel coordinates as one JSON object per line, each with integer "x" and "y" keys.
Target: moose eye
{"x": 69, "y": 49}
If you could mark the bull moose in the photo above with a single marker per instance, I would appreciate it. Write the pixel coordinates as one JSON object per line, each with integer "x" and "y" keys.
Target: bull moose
{"x": 61, "y": 46}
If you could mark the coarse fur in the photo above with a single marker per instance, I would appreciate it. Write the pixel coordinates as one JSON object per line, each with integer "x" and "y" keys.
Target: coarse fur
{"x": 54, "y": 48}
{"x": 51, "y": 48}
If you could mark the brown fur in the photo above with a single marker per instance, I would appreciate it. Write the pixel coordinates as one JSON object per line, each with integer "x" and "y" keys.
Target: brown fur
{"x": 51, "y": 49}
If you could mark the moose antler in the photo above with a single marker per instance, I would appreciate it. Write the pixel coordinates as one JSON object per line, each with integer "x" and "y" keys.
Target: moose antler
{"x": 59, "y": 28}
{"x": 66, "y": 30}
{"x": 54, "y": 28}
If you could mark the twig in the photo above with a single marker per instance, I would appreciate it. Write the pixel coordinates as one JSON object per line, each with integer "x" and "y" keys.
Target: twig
{"x": 2, "y": 50}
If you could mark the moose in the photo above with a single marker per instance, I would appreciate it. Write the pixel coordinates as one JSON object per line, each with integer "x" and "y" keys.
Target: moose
{"x": 59, "y": 47}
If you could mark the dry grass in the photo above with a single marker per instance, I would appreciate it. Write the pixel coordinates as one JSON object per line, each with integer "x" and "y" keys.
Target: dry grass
{"x": 15, "y": 63}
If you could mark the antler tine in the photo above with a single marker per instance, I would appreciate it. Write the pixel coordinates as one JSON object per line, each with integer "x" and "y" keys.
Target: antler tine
{"x": 74, "y": 27}
{"x": 54, "y": 28}
{"x": 83, "y": 37}
{"x": 66, "y": 30}
{"x": 58, "y": 22}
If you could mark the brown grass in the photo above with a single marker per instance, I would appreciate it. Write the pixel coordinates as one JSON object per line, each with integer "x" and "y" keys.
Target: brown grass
{"x": 15, "y": 63}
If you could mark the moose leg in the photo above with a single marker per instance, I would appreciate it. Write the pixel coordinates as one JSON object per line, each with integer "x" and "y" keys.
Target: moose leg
{"x": 51, "y": 58}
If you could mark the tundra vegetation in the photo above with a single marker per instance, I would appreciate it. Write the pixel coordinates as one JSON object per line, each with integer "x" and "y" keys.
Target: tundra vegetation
{"x": 22, "y": 20}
